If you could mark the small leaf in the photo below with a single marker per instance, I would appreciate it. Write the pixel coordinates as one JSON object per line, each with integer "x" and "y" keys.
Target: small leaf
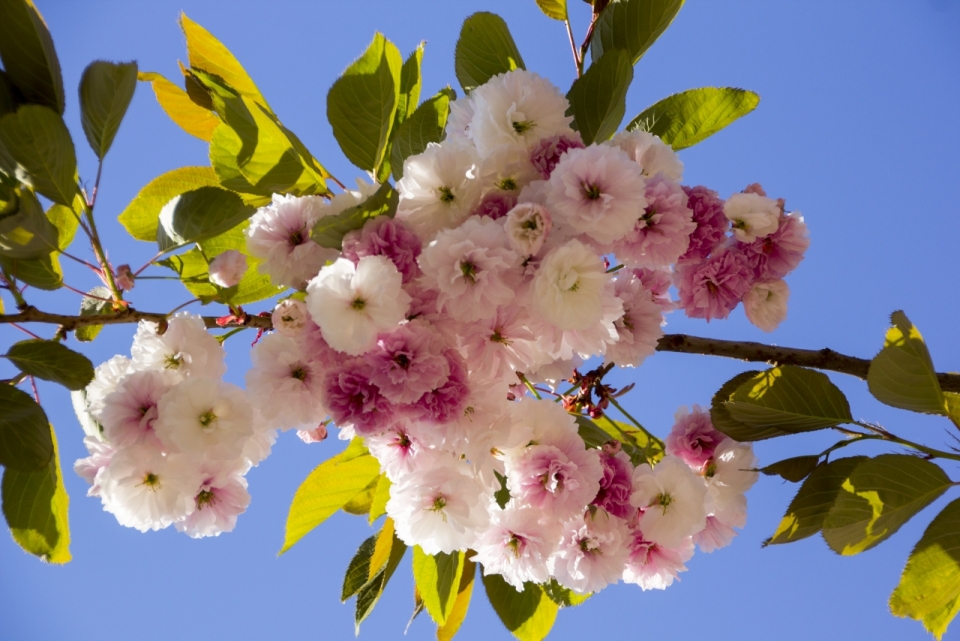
{"x": 142, "y": 216}
{"x": 52, "y": 361}
{"x": 501, "y": 496}
{"x": 28, "y": 56}
{"x": 437, "y": 577}
{"x": 38, "y": 140}
{"x": 27, "y": 234}
{"x": 723, "y": 421}
{"x": 358, "y": 572}
{"x": 929, "y": 590}
{"x": 684, "y": 119}
{"x": 35, "y": 505}
{"x": 813, "y": 501}
{"x": 361, "y": 502}
{"x": 330, "y": 230}
{"x": 380, "y": 497}
{"x": 791, "y": 399}
{"x": 793, "y": 469}
{"x": 192, "y": 118}
{"x": 598, "y": 99}
{"x": 562, "y": 596}
{"x": 556, "y": 9}
{"x": 411, "y": 82}
{"x": 106, "y": 89}
{"x": 369, "y": 594}
{"x": 485, "y": 48}
{"x": 449, "y": 629}
{"x": 362, "y": 104}
{"x": 527, "y": 615}
{"x": 632, "y": 25}
{"x": 327, "y": 489}
{"x": 198, "y": 214}
{"x": 93, "y": 307}
{"x": 25, "y": 442}
{"x": 879, "y": 496}
{"x": 902, "y": 374}
{"x": 207, "y": 53}
{"x": 423, "y": 126}
{"x": 43, "y": 273}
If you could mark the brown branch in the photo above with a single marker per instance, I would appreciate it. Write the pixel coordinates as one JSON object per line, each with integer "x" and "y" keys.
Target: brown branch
{"x": 825, "y": 359}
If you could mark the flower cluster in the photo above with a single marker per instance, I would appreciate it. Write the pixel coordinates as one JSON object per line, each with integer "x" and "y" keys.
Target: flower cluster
{"x": 424, "y": 333}
{"x": 173, "y": 441}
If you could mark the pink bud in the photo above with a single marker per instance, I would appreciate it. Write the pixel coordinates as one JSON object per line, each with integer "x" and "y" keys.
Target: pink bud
{"x": 125, "y": 278}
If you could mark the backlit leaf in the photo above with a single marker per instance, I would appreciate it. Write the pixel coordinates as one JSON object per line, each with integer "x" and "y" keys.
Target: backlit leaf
{"x": 25, "y": 442}
{"x": 329, "y": 231}
{"x": 142, "y": 216}
{"x": 527, "y": 615}
{"x": 29, "y": 58}
{"x": 437, "y": 577}
{"x": 38, "y": 140}
{"x": 556, "y": 9}
{"x": 598, "y": 99}
{"x": 447, "y": 631}
{"x": 485, "y": 48}
{"x": 902, "y": 374}
{"x": 423, "y": 126}
{"x": 106, "y": 89}
{"x": 199, "y": 214}
{"x": 632, "y": 25}
{"x": 192, "y": 118}
{"x": 52, "y": 361}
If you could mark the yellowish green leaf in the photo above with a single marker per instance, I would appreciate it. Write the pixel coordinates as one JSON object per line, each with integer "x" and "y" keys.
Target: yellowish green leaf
{"x": 192, "y": 118}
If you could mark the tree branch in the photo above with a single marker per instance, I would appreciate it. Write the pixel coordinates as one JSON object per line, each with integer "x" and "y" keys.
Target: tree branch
{"x": 825, "y": 359}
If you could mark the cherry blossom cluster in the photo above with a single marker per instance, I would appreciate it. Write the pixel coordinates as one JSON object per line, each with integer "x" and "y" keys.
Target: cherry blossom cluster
{"x": 172, "y": 441}
{"x": 516, "y": 254}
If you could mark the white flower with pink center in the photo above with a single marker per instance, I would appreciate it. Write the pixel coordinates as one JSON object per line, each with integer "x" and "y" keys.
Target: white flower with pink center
{"x": 220, "y": 498}
{"x": 597, "y": 191}
{"x": 130, "y": 410}
{"x": 285, "y": 384}
{"x": 353, "y": 303}
{"x": 290, "y": 317}
{"x": 185, "y": 349}
{"x": 527, "y": 227}
{"x": 652, "y": 154}
{"x": 100, "y": 452}
{"x": 497, "y": 347}
{"x": 752, "y": 216}
{"x": 517, "y": 546}
{"x": 653, "y": 566}
{"x": 204, "y": 416}
{"x": 765, "y": 304}
{"x": 399, "y": 452}
{"x": 714, "y": 536}
{"x": 592, "y": 551}
{"x": 672, "y": 498}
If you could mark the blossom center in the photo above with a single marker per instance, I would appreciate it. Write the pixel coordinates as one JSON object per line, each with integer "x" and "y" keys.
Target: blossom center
{"x": 446, "y": 195}
{"x": 523, "y": 126}
{"x": 299, "y": 373}
{"x": 358, "y": 304}
{"x": 591, "y": 191}
{"x": 508, "y": 184}
{"x": 469, "y": 270}
{"x": 152, "y": 481}
{"x": 173, "y": 361}
{"x": 206, "y": 497}
{"x": 207, "y": 419}
{"x": 663, "y": 500}
{"x": 515, "y": 544}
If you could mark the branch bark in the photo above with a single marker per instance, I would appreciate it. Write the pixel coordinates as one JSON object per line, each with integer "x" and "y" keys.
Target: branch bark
{"x": 824, "y": 359}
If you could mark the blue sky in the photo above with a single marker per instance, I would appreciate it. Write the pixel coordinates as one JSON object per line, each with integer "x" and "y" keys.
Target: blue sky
{"x": 857, "y": 129}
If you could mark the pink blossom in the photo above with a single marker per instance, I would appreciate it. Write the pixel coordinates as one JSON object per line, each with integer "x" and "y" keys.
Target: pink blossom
{"x": 712, "y": 224}
{"x": 662, "y": 233}
{"x": 220, "y": 498}
{"x": 616, "y": 485}
{"x": 447, "y": 402}
{"x": 496, "y": 347}
{"x": 228, "y": 268}
{"x": 693, "y": 437}
{"x": 88, "y": 468}
{"x": 384, "y": 236}
{"x": 355, "y": 401}
{"x": 408, "y": 362}
{"x": 755, "y": 188}
{"x": 712, "y": 289}
{"x": 776, "y": 255}
{"x": 125, "y": 278}
{"x": 639, "y": 328}
{"x": 398, "y": 451}
{"x": 716, "y": 535}
{"x": 546, "y": 154}
{"x": 130, "y": 411}
{"x": 312, "y": 341}
{"x": 653, "y": 566}
{"x": 315, "y": 435}
{"x": 495, "y": 204}
{"x": 657, "y": 282}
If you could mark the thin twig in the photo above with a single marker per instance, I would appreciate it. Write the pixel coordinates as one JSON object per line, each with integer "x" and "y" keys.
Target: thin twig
{"x": 573, "y": 48}
{"x": 25, "y": 330}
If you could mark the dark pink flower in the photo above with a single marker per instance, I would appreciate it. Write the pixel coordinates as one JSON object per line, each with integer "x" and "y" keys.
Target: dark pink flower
{"x": 776, "y": 255}
{"x": 693, "y": 437}
{"x": 712, "y": 289}
{"x": 712, "y": 225}
{"x": 447, "y": 402}
{"x": 384, "y": 236}
{"x": 547, "y": 152}
{"x": 354, "y": 401}
{"x": 409, "y": 362}
{"x": 616, "y": 485}
{"x": 495, "y": 204}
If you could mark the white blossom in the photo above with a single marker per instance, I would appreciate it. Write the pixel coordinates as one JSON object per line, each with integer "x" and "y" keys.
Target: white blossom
{"x": 203, "y": 416}
{"x": 752, "y": 216}
{"x": 672, "y": 498}
{"x": 517, "y": 546}
{"x": 765, "y": 304}
{"x": 570, "y": 285}
{"x": 228, "y": 268}
{"x": 285, "y": 383}
{"x": 592, "y": 552}
{"x": 527, "y": 227}
{"x": 185, "y": 349}
{"x": 652, "y": 154}
{"x": 290, "y": 317}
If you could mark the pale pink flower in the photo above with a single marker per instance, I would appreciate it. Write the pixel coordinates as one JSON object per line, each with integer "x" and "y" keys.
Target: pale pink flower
{"x": 765, "y": 304}
{"x": 713, "y": 288}
{"x": 220, "y": 498}
{"x": 662, "y": 231}
{"x": 228, "y": 268}
{"x": 285, "y": 383}
{"x": 714, "y": 536}
{"x": 693, "y": 437}
{"x": 592, "y": 551}
{"x": 448, "y": 401}
{"x": 639, "y": 328}
{"x": 657, "y": 282}
{"x": 653, "y": 566}
{"x": 125, "y": 278}
{"x": 89, "y": 468}
{"x": 495, "y": 204}
{"x": 751, "y": 215}
{"x": 131, "y": 409}
{"x": 313, "y": 435}
{"x": 496, "y": 347}
{"x": 205, "y": 417}
{"x": 712, "y": 225}
{"x": 671, "y": 497}
{"x": 399, "y": 451}
{"x": 527, "y": 227}
{"x": 290, "y": 317}
{"x": 652, "y": 154}
{"x": 517, "y": 546}
{"x": 385, "y": 236}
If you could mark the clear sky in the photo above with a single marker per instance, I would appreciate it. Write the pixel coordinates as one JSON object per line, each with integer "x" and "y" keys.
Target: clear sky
{"x": 858, "y": 128}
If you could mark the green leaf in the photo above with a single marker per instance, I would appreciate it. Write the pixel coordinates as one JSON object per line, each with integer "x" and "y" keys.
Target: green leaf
{"x": 142, "y": 216}
{"x": 411, "y": 82}
{"x": 43, "y": 273}
{"x": 330, "y": 230}
{"x": 35, "y": 505}
{"x": 327, "y": 489}
{"x": 358, "y": 572}
{"x": 929, "y": 589}
{"x": 425, "y": 125}
{"x": 360, "y": 504}
{"x": 225, "y": 146}
{"x": 879, "y": 496}
{"x": 902, "y": 374}
{"x": 198, "y": 214}
{"x": 437, "y": 577}
{"x": 25, "y": 442}
{"x": 813, "y": 501}
{"x": 27, "y": 234}
{"x": 38, "y": 140}
{"x": 562, "y": 596}
{"x": 52, "y": 361}
{"x": 380, "y": 497}
{"x": 106, "y": 89}
{"x": 501, "y": 496}
{"x": 208, "y": 54}
{"x": 556, "y": 9}
{"x": 598, "y": 98}
{"x": 362, "y": 104}
{"x": 684, "y": 119}
{"x": 791, "y": 399}
{"x": 723, "y": 421}
{"x": 449, "y": 629}
{"x": 66, "y": 222}
{"x": 632, "y": 25}
{"x": 390, "y": 550}
{"x": 93, "y": 307}
{"x": 28, "y": 56}
{"x": 528, "y": 615}
{"x": 189, "y": 116}
{"x": 9, "y": 96}
{"x": 793, "y": 469}
{"x": 485, "y": 48}
{"x": 637, "y": 445}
